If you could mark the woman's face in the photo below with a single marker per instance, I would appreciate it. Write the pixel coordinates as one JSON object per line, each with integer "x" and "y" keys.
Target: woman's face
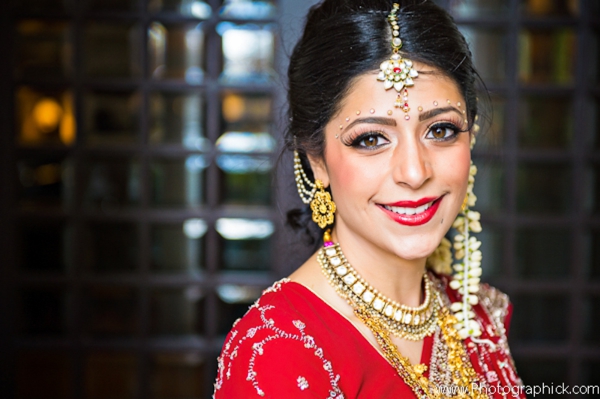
{"x": 398, "y": 182}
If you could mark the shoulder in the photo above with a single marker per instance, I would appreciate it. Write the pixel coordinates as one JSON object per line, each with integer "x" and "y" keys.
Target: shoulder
{"x": 271, "y": 352}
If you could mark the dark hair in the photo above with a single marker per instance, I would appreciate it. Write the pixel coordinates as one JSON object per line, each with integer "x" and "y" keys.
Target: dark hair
{"x": 344, "y": 39}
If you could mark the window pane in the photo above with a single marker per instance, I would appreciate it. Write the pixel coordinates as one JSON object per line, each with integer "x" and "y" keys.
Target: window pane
{"x": 593, "y": 189}
{"x": 43, "y": 49}
{"x": 592, "y": 320}
{"x": 38, "y": 6}
{"x": 177, "y": 118}
{"x": 475, "y": 8}
{"x": 247, "y": 9}
{"x": 112, "y": 5}
{"x": 591, "y": 373}
{"x": 194, "y": 8}
{"x": 492, "y": 120}
{"x": 44, "y": 182}
{"x": 45, "y": 117}
{"x": 110, "y": 375}
{"x": 547, "y": 55}
{"x": 178, "y": 248}
{"x": 176, "y": 311}
{"x": 44, "y": 247}
{"x": 111, "y": 182}
{"x": 544, "y": 254}
{"x": 246, "y": 243}
{"x": 543, "y": 372}
{"x": 246, "y": 113}
{"x": 44, "y": 312}
{"x": 52, "y": 371}
{"x": 112, "y": 50}
{"x": 546, "y": 123}
{"x": 547, "y": 312}
{"x": 246, "y": 180}
{"x": 543, "y": 188}
{"x": 492, "y": 247}
{"x": 483, "y": 43}
{"x": 233, "y": 303}
{"x": 111, "y": 247}
{"x": 594, "y": 257}
{"x": 112, "y": 117}
{"x": 489, "y": 186}
{"x": 111, "y": 311}
{"x": 594, "y": 130}
{"x": 178, "y": 376}
{"x": 176, "y": 52}
{"x": 248, "y": 52}
{"x": 545, "y": 8}
{"x": 178, "y": 183}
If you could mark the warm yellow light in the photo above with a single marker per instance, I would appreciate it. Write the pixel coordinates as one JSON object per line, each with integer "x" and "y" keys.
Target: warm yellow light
{"x": 47, "y": 114}
{"x": 233, "y": 108}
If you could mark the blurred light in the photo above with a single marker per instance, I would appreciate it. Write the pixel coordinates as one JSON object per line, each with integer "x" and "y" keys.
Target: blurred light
{"x": 199, "y": 9}
{"x": 234, "y": 294}
{"x": 194, "y": 228}
{"x": 193, "y": 294}
{"x": 46, "y": 175}
{"x": 196, "y": 163}
{"x": 196, "y": 143}
{"x": 241, "y": 164}
{"x": 68, "y": 128}
{"x": 246, "y": 142}
{"x": 247, "y": 9}
{"x": 47, "y": 114}
{"x": 234, "y": 108}
{"x": 244, "y": 229}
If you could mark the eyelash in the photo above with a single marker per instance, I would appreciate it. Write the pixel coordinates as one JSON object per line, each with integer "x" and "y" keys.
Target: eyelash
{"x": 444, "y": 125}
{"x": 360, "y": 137}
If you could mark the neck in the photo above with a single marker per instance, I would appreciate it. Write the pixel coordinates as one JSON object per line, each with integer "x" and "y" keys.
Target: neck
{"x": 397, "y": 278}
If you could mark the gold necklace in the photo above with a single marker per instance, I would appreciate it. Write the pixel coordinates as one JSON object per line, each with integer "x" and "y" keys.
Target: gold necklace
{"x": 412, "y": 323}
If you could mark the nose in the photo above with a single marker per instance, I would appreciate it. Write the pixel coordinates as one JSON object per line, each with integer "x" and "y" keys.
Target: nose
{"x": 412, "y": 167}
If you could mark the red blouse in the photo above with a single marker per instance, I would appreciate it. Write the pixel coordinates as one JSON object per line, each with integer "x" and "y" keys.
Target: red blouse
{"x": 291, "y": 344}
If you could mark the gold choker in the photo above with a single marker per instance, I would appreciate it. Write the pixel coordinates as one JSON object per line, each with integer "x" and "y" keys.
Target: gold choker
{"x": 402, "y": 321}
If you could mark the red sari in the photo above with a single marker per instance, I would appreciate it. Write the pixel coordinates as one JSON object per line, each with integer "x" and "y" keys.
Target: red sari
{"x": 291, "y": 344}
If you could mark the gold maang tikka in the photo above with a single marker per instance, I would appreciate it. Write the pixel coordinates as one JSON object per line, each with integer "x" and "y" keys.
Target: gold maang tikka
{"x": 397, "y": 72}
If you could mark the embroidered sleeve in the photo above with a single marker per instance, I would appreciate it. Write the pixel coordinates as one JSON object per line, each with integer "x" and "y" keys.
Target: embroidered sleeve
{"x": 274, "y": 358}
{"x": 497, "y": 306}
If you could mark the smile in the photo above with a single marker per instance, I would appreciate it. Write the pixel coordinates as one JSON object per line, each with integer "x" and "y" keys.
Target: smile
{"x": 411, "y": 213}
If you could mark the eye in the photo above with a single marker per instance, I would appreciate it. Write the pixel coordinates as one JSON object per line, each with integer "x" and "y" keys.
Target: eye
{"x": 442, "y": 132}
{"x": 370, "y": 140}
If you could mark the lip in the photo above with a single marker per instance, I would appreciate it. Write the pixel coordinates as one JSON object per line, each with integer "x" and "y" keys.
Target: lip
{"x": 414, "y": 220}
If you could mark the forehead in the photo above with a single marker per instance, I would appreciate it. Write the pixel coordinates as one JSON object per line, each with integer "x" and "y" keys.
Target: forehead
{"x": 367, "y": 93}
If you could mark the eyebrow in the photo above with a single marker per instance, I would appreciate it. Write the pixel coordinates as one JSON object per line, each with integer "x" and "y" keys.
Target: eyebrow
{"x": 373, "y": 120}
{"x": 436, "y": 111}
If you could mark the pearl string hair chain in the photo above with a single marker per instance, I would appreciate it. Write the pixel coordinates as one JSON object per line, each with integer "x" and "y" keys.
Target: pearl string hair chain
{"x": 302, "y": 180}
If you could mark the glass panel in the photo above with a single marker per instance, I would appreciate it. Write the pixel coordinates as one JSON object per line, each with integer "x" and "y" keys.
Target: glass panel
{"x": 239, "y": 142}
{"x": 247, "y": 9}
{"x": 43, "y": 49}
{"x": 246, "y": 180}
{"x": 111, "y": 247}
{"x": 544, "y": 8}
{"x": 541, "y": 311}
{"x": 177, "y": 311}
{"x": 45, "y": 117}
{"x": 233, "y": 303}
{"x": 594, "y": 258}
{"x": 593, "y": 189}
{"x": 188, "y": 8}
{"x": 545, "y": 123}
{"x": 44, "y": 247}
{"x": 52, "y": 372}
{"x": 547, "y": 55}
{"x": 594, "y": 130}
{"x": 492, "y": 247}
{"x": 489, "y": 187}
{"x": 111, "y": 183}
{"x": 476, "y": 8}
{"x": 112, "y": 5}
{"x": 540, "y": 373}
{"x": 39, "y": 6}
{"x": 591, "y": 375}
{"x": 112, "y": 50}
{"x": 44, "y": 182}
{"x": 178, "y": 182}
{"x": 177, "y": 248}
{"x": 592, "y": 320}
{"x": 483, "y": 43}
{"x": 112, "y": 117}
{"x": 176, "y": 52}
{"x": 246, "y": 112}
{"x": 110, "y": 375}
{"x": 44, "y": 312}
{"x": 492, "y": 123}
{"x": 248, "y": 52}
{"x": 543, "y": 188}
{"x": 594, "y": 58}
{"x": 246, "y": 243}
{"x": 178, "y": 376}
{"x": 111, "y": 311}
{"x": 544, "y": 254}
{"x": 178, "y": 118}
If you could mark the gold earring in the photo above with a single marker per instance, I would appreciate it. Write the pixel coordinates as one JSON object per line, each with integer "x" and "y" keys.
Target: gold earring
{"x": 322, "y": 206}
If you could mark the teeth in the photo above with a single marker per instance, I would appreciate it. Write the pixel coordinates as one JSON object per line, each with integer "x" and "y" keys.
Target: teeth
{"x": 408, "y": 211}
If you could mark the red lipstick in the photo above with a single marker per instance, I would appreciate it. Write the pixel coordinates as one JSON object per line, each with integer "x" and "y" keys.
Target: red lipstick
{"x": 416, "y": 219}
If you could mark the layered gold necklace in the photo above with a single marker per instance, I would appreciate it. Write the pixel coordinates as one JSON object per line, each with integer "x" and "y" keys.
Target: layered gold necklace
{"x": 379, "y": 314}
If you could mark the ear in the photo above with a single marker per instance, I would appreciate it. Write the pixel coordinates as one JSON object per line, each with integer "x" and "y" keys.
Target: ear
{"x": 319, "y": 169}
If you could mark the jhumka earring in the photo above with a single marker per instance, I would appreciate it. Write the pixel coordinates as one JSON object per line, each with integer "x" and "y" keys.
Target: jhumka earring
{"x": 322, "y": 206}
